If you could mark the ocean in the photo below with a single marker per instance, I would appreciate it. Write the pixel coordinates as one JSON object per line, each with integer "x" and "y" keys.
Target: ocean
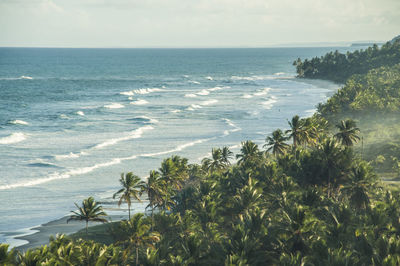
{"x": 73, "y": 120}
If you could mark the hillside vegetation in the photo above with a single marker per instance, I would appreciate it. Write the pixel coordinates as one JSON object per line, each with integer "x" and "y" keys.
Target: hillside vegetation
{"x": 370, "y": 95}
{"x": 310, "y": 201}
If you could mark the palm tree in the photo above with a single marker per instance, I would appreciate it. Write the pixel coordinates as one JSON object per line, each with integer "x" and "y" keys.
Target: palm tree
{"x": 296, "y": 130}
{"x": 219, "y": 159}
{"x": 90, "y": 211}
{"x": 154, "y": 189}
{"x": 348, "y": 131}
{"x": 226, "y": 155}
{"x": 249, "y": 153}
{"x": 137, "y": 232}
{"x": 132, "y": 187}
{"x": 276, "y": 143}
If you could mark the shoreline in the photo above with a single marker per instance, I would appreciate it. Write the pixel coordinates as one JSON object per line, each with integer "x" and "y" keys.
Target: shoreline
{"x": 37, "y": 236}
{"x": 40, "y": 235}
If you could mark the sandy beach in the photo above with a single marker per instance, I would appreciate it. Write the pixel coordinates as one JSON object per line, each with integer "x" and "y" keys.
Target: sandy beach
{"x": 53, "y": 228}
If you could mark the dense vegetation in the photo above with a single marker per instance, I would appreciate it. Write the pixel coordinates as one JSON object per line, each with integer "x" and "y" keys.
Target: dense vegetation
{"x": 339, "y": 67}
{"x": 377, "y": 92}
{"x": 311, "y": 202}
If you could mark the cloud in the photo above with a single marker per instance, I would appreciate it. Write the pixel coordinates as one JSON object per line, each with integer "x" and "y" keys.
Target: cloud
{"x": 134, "y": 23}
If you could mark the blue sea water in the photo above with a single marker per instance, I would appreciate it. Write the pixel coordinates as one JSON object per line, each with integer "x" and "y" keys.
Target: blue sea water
{"x": 72, "y": 120}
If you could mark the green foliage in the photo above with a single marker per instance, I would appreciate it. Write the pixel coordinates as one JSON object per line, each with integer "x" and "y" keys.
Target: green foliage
{"x": 314, "y": 204}
{"x": 339, "y": 67}
{"x": 376, "y": 91}
{"x": 90, "y": 211}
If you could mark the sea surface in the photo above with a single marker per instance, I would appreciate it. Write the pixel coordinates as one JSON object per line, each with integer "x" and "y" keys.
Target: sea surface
{"x": 72, "y": 120}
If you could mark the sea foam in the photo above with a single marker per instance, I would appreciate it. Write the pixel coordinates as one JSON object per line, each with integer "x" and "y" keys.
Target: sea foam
{"x": 269, "y": 103}
{"x": 114, "y": 106}
{"x": 19, "y": 122}
{"x": 13, "y": 138}
{"x": 132, "y": 135}
{"x": 139, "y": 102}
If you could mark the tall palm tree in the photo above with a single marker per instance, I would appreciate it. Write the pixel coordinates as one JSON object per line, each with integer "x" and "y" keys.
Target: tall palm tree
{"x": 348, "y": 131}
{"x": 138, "y": 234}
{"x": 90, "y": 211}
{"x": 249, "y": 153}
{"x": 132, "y": 187}
{"x": 219, "y": 159}
{"x": 276, "y": 143}
{"x": 296, "y": 130}
{"x": 226, "y": 155}
{"x": 154, "y": 187}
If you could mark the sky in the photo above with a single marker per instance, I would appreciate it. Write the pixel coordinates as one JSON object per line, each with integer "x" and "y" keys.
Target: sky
{"x": 195, "y": 23}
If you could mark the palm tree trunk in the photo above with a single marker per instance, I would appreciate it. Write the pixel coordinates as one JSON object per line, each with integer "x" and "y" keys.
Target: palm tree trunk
{"x": 87, "y": 228}
{"x": 137, "y": 255}
{"x": 129, "y": 211}
{"x": 152, "y": 218}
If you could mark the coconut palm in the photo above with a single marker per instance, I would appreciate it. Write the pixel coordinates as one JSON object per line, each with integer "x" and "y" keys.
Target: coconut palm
{"x": 226, "y": 155}
{"x": 348, "y": 131}
{"x": 219, "y": 159}
{"x": 249, "y": 153}
{"x": 296, "y": 130}
{"x": 132, "y": 187}
{"x": 90, "y": 211}
{"x": 154, "y": 187}
{"x": 276, "y": 143}
{"x": 138, "y": 234}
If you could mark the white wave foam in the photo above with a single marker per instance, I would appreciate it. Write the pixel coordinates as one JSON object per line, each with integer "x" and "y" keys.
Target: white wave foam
{"x": 203, "y": 92}
{"x": 35, "y": 182}
{"x": 217, "y": 88}
{"x": 269, "y": 103}
{"x": 209, "y": 78}
{"x": 71, "y": 155}
{"x": 251, "y": 78}
{"x": 151, "y": 120}
{"x": 25, "y": 77}
{"x": 141, "y": 91}
{"x": 146, "y": 91}
{"x": 127, "y": 93}
{"x": 19, "y": 122}
{"x": 178, "y": 148}
{"x": 185, "y": 76}
{"x": 195, "y": 106}
{"x": 80, "y": 113}
{"x": 85, "y": 170}
{"x": 13, "y": 138}
{"x": 176, "y": 111}
{"x": 64, "y": 116}
{"x": 190, "y": 95}
{"x": 209, "y": 102}
{"x": 114, "y": 106}
{"x": 139, "y": 102}
{"x": 193, "y": 82}
{"x": 133, "y": 135}
{"x": 262, "y": 92}
{"x": 230, "y": 123}
{"x": 247, "y": 96}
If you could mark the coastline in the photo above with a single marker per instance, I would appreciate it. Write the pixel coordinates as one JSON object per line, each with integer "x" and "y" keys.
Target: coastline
{"x": 41, "y": 234}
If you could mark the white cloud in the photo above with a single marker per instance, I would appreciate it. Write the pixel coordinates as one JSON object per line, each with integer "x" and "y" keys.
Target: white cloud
{"x": 138, "y": 23}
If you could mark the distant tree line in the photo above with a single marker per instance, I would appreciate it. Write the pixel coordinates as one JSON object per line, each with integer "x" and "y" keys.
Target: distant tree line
{"x": 339, "y": 67}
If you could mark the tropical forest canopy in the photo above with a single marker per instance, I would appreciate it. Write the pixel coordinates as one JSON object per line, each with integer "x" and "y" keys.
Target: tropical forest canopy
{"x": 339, "y": 67}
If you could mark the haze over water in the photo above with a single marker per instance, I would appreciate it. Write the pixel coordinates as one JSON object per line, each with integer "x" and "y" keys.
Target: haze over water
{"x": 72, "y": 120}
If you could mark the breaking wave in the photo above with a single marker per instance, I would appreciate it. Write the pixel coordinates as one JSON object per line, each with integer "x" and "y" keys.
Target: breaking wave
{"x": 13, "y": 138}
